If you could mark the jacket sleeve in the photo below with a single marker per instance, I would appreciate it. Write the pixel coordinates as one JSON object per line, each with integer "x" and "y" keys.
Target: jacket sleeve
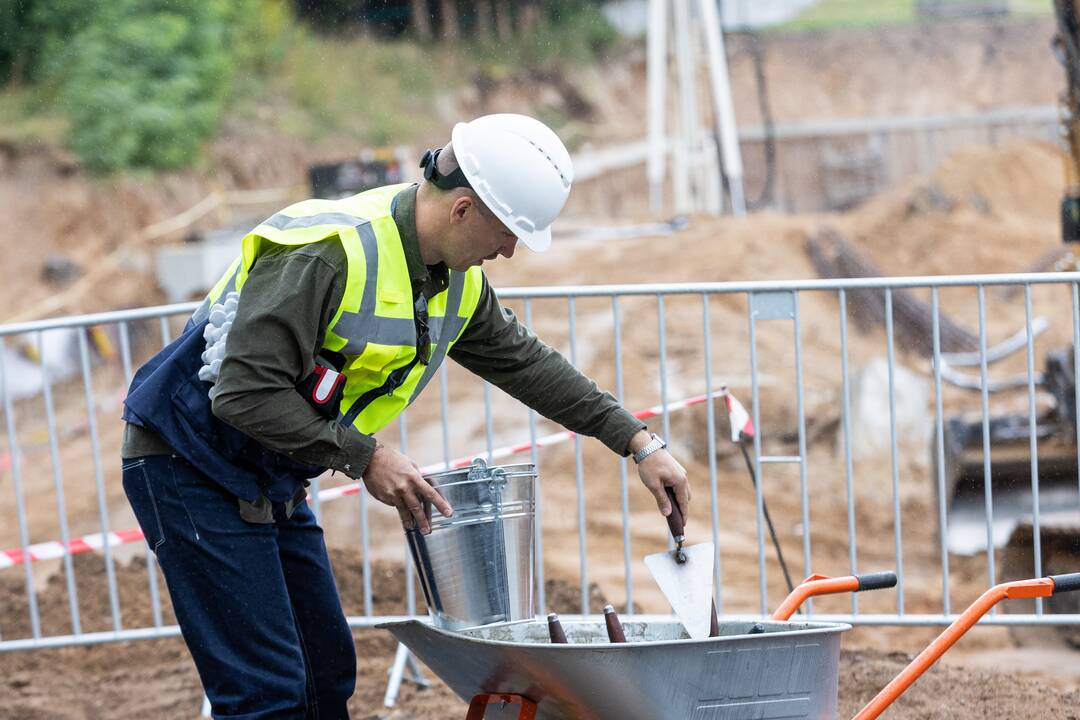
{"x": 284, "y": 308}
{"x": 507, "y": 354}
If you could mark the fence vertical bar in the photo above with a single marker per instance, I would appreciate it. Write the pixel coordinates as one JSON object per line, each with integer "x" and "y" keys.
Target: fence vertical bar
{"x": 662, "y": 342}
{"x": 890, "y": 338}
{"x": 800, "y": 411}
{"x": 58, "y": 485}
{"x": 99, "y": 480}
{"x": 444, "y": 407}
{"x": 710, "y": 429}
{"x": 988, "y": 492}
{"x": 365, "y": 544}
{"x": 845, "y": 412}
{"x": 579, "y": 473}
{"x": 939, "y": 423}
{"x": 316, "y": 503}
{"x": 488, "y": 427}
{"x": 1076, "y": 366}
{"x": 410, "y": 586}
{"x": 151, "y": 558}
{"x": 166, "y": 331}
{"x": 624, "y": 490}
{"x": 20, "y": 510}
{"x": 662, "y": 336}
{"x": 759, "y": 497}
{"x": 1036, "y": 535}
{"x": 538, "y": 526}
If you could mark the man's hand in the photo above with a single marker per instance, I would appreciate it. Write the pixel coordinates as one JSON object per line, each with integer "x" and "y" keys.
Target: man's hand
{"x": 659, "y": 470}
{"x": 394, "y": 479}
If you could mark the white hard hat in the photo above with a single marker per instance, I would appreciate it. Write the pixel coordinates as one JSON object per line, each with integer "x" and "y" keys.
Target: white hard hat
{"x": 519, "y": 168}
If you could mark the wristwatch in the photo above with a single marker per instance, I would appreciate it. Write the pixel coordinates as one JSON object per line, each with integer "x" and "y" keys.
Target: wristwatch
{"x": 657, "y": 443}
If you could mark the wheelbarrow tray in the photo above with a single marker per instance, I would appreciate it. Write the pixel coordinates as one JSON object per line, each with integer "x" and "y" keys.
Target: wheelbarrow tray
{"x": 788, "y": 671}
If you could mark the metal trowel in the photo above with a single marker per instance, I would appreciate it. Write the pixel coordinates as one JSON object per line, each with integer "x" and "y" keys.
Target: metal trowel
{"x": 685, "y": 576}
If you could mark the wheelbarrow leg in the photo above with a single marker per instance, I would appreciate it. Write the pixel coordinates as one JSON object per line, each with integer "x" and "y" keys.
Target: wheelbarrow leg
{"x": 402, "y": 659}
{"x": 478, "y": 706}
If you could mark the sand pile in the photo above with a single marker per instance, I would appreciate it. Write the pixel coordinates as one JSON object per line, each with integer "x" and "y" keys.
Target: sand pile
{"x": 986, "y": 210}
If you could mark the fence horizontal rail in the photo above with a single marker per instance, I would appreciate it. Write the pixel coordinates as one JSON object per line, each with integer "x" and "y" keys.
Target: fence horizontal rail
{"x": 643, "y": 289}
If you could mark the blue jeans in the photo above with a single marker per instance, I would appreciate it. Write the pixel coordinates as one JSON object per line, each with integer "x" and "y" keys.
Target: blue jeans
{"x": 256, "y": 603}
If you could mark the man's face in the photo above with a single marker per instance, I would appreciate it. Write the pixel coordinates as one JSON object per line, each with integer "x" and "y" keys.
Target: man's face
{"x": 476, "y": 235}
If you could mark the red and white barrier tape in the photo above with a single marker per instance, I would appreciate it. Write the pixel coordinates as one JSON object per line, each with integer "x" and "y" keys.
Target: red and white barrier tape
{"x": 87, "y": 543}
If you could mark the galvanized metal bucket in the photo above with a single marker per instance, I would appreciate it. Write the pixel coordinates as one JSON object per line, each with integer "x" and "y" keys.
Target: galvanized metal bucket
{"x": 476, "y": 568}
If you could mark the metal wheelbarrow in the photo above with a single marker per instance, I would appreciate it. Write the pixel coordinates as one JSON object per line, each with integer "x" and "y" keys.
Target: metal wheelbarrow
{"x": 747, "y": 671}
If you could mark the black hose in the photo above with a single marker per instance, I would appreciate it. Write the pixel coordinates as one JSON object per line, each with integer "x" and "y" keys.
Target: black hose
{"x": 756, "y": 47}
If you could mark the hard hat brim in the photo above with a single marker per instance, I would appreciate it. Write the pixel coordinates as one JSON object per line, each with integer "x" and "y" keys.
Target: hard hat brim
{"x": 538, "y": 241}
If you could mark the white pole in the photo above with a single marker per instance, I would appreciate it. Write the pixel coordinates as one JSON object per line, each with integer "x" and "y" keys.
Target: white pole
{"x": 657, "y": 79}
{"x": 703, "y": 156}
{"x": 723, "y": 105}
{"x": 684, "y": 148}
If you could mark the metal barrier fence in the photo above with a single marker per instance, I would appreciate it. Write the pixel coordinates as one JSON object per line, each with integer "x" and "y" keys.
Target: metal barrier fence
{"x": 787, "y": 346}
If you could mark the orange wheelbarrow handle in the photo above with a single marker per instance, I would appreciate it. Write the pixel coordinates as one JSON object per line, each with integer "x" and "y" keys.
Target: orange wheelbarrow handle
{"x": 478, "y": 706}
{"x": 824, "y": 585}
{"x": 1042, "y": 587}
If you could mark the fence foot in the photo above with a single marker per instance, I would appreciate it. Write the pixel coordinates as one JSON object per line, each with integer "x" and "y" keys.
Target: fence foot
{"x": 402, "y": 659}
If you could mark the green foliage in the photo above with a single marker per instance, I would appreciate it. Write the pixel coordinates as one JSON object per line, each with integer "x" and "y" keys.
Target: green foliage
{"x": 569, "y": 34}
{"x": 144, "y": 82}
{"x": 572, "y": 33}
{"x": 364, "y": 88}
{"x": 32, "y": 30}
{"x": 837, "y": 14}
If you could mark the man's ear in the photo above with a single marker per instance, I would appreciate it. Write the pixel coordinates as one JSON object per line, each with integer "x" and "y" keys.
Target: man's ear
{"x": 460, "y": 208}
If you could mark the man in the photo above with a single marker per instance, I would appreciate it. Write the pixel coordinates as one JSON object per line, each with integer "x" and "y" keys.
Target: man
{"x": 345, "y": 310}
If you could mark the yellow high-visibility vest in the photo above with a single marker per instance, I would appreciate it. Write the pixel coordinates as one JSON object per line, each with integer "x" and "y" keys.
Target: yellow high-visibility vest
{"x": 375, "y": 326}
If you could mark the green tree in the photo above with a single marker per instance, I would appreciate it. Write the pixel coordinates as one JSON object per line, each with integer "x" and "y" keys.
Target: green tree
{"x": 144, "y": 82}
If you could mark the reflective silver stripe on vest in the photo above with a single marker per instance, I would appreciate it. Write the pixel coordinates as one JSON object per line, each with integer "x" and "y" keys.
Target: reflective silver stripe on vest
{"x": 203, "y": 311}
{"x": 285, "y": 222}
{"x": 435, "y": 325}
{"x": 364, "y": 326}
{"x": 448, "y": 330}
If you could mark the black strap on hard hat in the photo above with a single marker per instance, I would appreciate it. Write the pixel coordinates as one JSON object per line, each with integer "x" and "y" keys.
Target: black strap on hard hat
{"x": 455, "y": 179}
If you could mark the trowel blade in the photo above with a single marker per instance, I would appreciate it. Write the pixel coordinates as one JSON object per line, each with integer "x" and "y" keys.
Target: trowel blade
{"x": 688, "y": 587}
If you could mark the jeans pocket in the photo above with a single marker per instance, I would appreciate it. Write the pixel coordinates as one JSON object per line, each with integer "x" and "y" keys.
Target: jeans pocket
{"x": 140, "y": 494}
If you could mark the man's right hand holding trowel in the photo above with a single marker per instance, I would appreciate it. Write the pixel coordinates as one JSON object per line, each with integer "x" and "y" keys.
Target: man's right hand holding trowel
{"x": 658, "y": 469}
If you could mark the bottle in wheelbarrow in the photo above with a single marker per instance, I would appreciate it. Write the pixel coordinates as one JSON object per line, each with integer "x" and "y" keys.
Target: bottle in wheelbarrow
{"x": 555, "y": 630}
{"x": 614, "y": 627}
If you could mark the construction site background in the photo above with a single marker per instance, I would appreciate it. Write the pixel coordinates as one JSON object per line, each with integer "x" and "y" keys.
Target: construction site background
{"x": 987, "y": 208}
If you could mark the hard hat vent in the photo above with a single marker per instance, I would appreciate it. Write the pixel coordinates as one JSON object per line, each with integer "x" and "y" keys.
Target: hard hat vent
{"x": 562, "y": 176}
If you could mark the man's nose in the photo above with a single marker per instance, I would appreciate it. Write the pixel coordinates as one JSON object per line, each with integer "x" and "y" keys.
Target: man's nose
{"x": 508, "y": 248}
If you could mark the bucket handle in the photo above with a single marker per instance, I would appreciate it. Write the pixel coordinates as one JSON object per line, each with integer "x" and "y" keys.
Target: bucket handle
{"x": 478, "y": 706}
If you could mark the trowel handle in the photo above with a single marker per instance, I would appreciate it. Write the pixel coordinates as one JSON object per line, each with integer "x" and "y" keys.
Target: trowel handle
{"x": 675, "y": 520}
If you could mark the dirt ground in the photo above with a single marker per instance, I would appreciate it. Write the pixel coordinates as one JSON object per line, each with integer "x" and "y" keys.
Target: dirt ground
{"x": 157, "y": 679}
{"x": 985, "y": 210}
